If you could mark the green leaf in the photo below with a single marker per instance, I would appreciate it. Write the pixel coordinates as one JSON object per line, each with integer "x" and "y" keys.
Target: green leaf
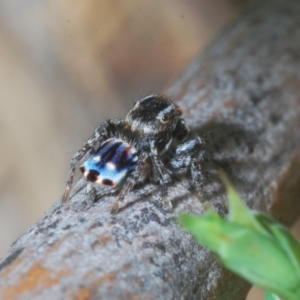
{"x": 242, "y": 250}
{"x": 284, "y": 239}
{"x": 238, "y": 210}
{"x": 252, "y": 245}
{"x": 271, "y": 296}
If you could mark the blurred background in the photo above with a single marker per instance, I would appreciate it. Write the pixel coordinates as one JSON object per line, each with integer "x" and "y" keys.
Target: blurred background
{"x": 66, "y": 66}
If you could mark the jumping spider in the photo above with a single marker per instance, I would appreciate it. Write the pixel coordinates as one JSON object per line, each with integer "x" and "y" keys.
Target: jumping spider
{"x": 151, "y": 142}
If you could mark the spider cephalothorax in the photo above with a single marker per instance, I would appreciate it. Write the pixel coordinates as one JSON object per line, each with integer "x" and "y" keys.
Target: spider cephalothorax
{"x": 151, "y": 142}
{"x": 154, "y": 118}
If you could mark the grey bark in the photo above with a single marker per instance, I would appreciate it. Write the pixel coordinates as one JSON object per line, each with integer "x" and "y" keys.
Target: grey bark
{"x": 243, "y": 96}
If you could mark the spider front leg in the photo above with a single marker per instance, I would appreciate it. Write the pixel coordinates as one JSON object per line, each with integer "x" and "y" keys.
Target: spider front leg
{"x": 186, "y": 160}
{"x": 104, "y": 131}
{"x": 159, "y": 169}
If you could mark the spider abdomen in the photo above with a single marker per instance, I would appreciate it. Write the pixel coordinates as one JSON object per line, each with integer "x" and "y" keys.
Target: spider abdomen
{"x": 111, "y": 164}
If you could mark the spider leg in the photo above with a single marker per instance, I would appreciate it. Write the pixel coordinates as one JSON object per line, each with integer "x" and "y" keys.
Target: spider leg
{"x": 187, "y": 158}
{"x": 104, "y": 131}
{"x": 159, "y": 168}
{"x": 196, "y": 174}
{"x": 131, "y": 181}
{"x": 94, "y": 193}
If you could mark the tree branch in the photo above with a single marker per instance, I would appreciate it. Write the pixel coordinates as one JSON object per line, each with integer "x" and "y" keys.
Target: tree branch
{"x": 242, "y": 95}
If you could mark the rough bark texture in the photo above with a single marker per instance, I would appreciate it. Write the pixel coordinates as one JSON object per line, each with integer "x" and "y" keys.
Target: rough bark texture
{"x": 243, "y": 96}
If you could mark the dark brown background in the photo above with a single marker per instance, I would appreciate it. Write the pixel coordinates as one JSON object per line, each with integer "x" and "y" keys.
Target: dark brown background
{"x": 65, "y": 66}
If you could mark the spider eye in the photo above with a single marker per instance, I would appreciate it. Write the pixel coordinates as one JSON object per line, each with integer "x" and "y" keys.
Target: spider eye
{"x": 164, "y": 119}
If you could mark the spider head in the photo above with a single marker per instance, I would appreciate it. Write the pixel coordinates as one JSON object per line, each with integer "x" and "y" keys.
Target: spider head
{"x": 154, "y": 115}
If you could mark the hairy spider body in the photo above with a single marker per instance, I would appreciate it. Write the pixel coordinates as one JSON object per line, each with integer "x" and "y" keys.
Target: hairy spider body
{"x": 151, "y": 142}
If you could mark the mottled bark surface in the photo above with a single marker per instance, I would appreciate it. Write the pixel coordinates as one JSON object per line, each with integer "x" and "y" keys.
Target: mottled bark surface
{"x": 243, "y": 96}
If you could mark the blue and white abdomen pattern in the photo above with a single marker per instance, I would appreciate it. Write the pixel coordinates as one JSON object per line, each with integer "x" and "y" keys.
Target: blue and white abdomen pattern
{"x": 111, "y": 164}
